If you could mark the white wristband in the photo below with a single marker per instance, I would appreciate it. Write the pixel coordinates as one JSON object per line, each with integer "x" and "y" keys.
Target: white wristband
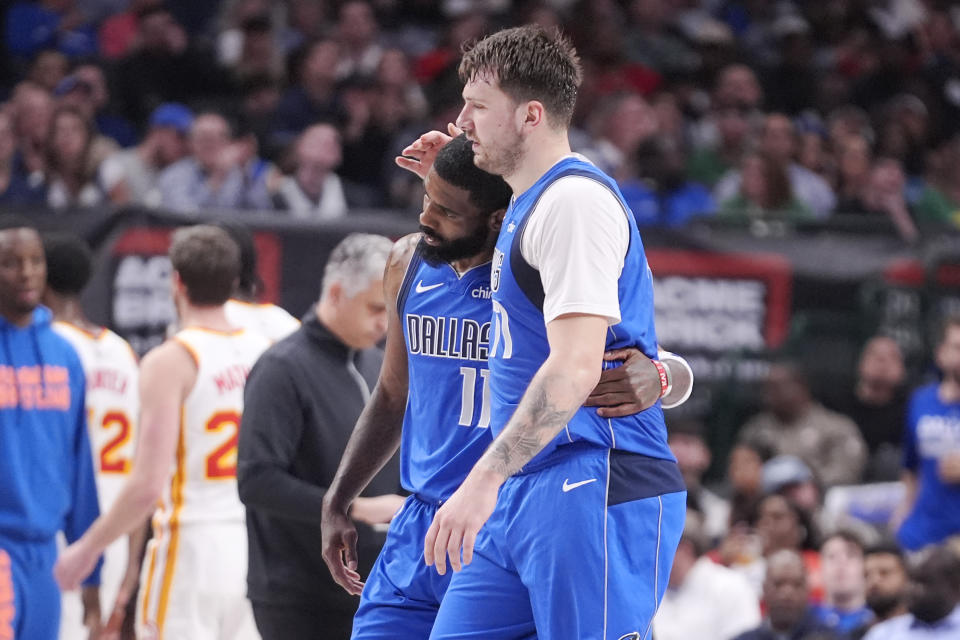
{"x": 667, "y": 402}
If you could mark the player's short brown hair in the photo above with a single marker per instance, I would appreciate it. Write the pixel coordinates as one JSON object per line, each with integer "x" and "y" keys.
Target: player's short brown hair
{"x": 529, "y": 63}
{"x": 208, "y": 262}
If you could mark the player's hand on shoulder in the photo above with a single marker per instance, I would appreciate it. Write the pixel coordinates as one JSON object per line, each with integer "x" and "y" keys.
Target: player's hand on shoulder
{"x": 339, "y": 547}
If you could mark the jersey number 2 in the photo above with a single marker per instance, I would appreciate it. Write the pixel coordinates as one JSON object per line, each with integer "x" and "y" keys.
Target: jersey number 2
{"x": 222, "y": 462}
{"x": 111, "y": 460}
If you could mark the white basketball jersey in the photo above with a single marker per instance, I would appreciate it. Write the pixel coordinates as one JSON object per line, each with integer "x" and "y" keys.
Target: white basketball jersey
{"x": 203, "y": 488}
{"x": 266, "y": 319}
{"x": 111, "y": 369}
{"x": 112, "y": 400}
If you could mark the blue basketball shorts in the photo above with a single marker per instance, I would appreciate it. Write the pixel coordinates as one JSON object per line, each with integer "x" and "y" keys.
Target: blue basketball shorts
{"x": 29, "y": 596}
{"x": 580, "y": 549}
{"x": 402, "y": 594}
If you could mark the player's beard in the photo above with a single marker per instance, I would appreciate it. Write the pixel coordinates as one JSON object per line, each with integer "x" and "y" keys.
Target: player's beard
{"x": 477, "y": 242}
{"x": 501, "y": 159}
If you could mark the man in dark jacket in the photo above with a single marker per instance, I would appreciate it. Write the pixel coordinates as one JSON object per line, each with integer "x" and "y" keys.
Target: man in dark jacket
{"x": 302, "y": 400}
{"x": 787, "y": 594}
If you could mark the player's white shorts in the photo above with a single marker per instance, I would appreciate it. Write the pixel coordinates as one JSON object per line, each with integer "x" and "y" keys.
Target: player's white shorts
{"x": 193, "y": 585}
{"x": 71, "y": 606}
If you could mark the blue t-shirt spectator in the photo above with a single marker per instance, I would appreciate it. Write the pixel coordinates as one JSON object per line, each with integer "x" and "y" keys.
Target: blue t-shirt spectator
{"x": 31, "y": 27}
{"x": 933, "y": 429}
{"x": 672, "y": 209}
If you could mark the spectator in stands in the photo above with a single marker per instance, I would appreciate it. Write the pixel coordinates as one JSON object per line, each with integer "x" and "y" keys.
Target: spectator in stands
{"x": 792, "y": 478}
{"x": 314, "y": 192}
{"x": 118, "y": 33}
{"x": 796, "y": 424}
{"x": 663, "y": 195}
{"x": 164, "y": 67}
{"x": 621, "y": 124}
{"x": 653, "y": 44}
{"x": 931, "y": 457}
{"x": 765, "y": 193}
{"x": 259, "y": 97}
{"x": 213, "y": 175}
{"x": 878, "y": 405}
{"x": 745, "y": 477}
{"x": 357, "y": 31}
{"x": 86, "y": 89}
{"x": 786, "y": 592}
{"x": 708, "y": 163}
{"x": 32, "y": 113}
{"x": 703, "y": 599}
{"x": 399, "y": 92}
{"x": 934, "y": 601}
{"x": 939, "y": 202}
{"x": 313, "y": 97}
{"x": 778, "y": 141}
{"x": 130, "y": 176}
{"x": 306, "y": 21}
{"x": 737, "y": 88}
{"x": 884, "y": 195}
{"x": 853, "y": 170}
{"x": 844, "y": 607}
{"x": 48, "y": 68}
{"x": 886, "y": 581}
{"x": 17, "y": 187}
{"x": 301, "y": 401}
{"x": 56, "y": 24}
{"x": 71, "y": 169}
{"x": 685, "y": 438}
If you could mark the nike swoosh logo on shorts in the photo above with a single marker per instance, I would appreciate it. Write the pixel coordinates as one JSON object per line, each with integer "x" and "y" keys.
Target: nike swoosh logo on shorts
{"x": 567, "y": 486}
{"x": 422, "y": 289}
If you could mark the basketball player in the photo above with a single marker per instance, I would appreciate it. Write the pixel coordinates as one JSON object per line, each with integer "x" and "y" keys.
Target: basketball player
{"x": 440, "y": 282}
{"x": 243, "y": 309}
{"x": 111, "y": 367}
{"x": 46, "y": 475}
{"x": 580, "y": 515}
{"x": 191, "y": 399}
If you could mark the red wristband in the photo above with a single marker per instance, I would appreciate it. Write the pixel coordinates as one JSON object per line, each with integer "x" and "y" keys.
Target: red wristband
{"x": 664, "y": 380}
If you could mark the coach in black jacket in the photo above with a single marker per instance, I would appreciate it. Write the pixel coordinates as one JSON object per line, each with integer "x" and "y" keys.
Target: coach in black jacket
{"x": 302, "y": 399}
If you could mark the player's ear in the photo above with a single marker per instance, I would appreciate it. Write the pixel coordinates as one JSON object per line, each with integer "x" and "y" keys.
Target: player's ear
{"x": 534, "y": 113}
{"x": 496, "y": 219}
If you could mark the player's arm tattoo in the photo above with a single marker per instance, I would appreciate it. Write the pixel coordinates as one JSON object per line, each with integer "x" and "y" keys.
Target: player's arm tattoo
{"x": 538, "y": 419}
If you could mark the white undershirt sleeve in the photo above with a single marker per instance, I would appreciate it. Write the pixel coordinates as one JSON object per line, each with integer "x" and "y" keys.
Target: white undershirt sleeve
{"x": 577, "y": 238}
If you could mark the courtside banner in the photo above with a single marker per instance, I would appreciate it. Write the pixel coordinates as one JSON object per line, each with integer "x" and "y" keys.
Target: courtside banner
{"x": 723, "y": 311}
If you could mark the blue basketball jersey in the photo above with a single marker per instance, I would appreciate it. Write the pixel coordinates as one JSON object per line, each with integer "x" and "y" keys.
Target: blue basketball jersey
{"x": 519, "y": 337}
{"x": 446, "y": 324}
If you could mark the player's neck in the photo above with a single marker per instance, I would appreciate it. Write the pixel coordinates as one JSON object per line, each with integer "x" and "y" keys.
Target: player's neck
{"x": 212, "y": 317}
{"x": 465, "y": 264}
{"x": 846, "y": 602}
{"x": 69, "y": 310}
{"x": 539, "y": 156}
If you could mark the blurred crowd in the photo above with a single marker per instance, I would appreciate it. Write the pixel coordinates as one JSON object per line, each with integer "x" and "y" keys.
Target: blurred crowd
{"x": 736, "y": 109}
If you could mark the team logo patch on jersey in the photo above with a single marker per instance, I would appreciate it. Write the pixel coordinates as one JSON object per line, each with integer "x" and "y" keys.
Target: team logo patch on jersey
{"x": 497, "y": 266}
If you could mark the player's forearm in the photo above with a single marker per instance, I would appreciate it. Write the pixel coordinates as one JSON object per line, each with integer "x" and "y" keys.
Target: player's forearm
{"x": 375, "y": 439}
{"x": 555, "y": 393}
{"x": 136, "y": 502}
